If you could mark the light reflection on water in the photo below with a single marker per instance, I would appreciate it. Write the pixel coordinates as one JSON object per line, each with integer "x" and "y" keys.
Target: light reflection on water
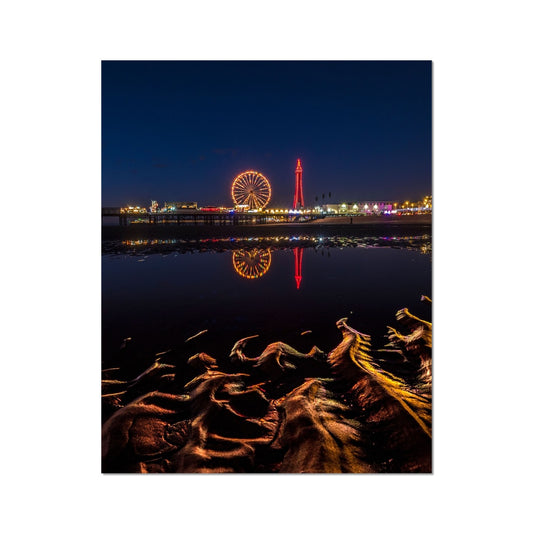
{"x": 421, "y": 243}
{"x": 161, "y": 292}
{"x": 252, "y": 264}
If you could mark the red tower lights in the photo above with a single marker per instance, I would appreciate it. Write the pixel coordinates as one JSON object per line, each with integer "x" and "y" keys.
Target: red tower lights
{"x": 299, "y": 193}
{"x": 298, "y": 204}
{"x": 298, "y": 252}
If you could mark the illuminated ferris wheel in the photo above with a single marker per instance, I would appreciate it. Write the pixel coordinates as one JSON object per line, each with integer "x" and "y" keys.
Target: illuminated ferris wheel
{"x": 251, "y": 264}
{"x": 251, "y": 189}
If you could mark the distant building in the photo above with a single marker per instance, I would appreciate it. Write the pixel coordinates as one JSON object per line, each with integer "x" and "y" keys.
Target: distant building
{"x": 133, "y": 209}
{"x": 174, "y": 206}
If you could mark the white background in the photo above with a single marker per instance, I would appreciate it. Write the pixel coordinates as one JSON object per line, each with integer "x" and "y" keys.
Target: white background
{"x": 50, "y": 123}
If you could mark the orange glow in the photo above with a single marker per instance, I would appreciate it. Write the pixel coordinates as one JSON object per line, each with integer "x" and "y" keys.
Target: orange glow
{"x": 251, "y": 188}
{"x": 251, "y": 264}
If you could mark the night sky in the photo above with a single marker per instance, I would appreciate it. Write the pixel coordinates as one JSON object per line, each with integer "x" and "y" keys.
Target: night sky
{"x": 182, "y": 130}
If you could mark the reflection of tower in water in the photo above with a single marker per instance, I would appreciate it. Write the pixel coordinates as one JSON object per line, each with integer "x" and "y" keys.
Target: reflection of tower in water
{"x": 298, "y": 252}
{"x": 251, "y": 264}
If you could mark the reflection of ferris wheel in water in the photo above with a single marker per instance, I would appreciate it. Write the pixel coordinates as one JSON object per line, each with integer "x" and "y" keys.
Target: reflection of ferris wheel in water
{"x": 251, "y": 264}
{"x": 252, "y": 189}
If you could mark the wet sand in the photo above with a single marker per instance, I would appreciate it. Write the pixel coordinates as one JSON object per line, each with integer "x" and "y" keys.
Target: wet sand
{"x": 376, "y": 219}
{"x": 342, "y": 226}
{"x": 354, "y": 409}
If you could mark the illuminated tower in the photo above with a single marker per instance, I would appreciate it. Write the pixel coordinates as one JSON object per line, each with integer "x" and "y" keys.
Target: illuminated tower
{"x": 299, "y": 193}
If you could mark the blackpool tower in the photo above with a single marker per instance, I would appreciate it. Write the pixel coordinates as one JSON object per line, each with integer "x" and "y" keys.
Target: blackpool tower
{"x": 299, "y": 193}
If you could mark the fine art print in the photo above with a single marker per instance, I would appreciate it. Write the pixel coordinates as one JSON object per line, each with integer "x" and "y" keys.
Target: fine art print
{"x": 266, "y": 267}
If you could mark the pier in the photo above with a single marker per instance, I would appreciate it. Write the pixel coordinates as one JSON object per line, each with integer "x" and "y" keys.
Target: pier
{"x": 199, "y": 217}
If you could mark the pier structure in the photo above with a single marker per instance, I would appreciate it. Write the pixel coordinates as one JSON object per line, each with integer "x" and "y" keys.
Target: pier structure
{"x": 198, "y": 217}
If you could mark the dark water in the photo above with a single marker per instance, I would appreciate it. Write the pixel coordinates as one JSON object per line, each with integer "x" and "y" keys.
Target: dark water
{"x": 161, "y": 296}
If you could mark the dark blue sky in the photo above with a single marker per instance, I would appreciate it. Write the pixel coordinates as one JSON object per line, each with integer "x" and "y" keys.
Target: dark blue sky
{"x": 181, "y": 130}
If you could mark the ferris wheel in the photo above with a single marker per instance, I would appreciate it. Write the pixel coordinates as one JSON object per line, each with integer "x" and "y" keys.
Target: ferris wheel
{"x": 251, "y": 189}
{"x": 251, "y": 264}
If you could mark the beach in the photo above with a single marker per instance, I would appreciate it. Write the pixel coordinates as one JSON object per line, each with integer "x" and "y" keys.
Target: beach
{"x": 371, "y": 226}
